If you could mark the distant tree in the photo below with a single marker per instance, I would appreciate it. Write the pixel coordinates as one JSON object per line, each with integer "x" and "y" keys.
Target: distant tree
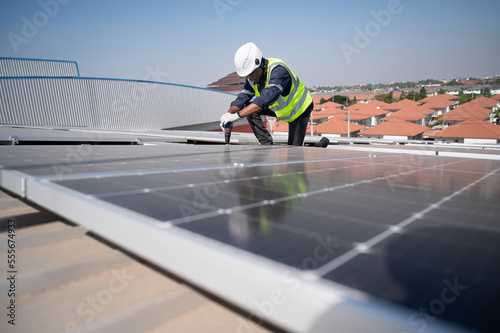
{"x": 388, "y": 98}
{"x": 422, "y": 94}
{"x": 486, "y": 92}
{"x": 453, "y": 82}
{"x": 344, "y": 100}
{"x": 368, "y": 87}
{"x": 323, "y": 101}
{"x": 403, "y": 95}
{"x": 412, "y": 96}
{"x": 441, "y": 91}
{"x": 380, "y": 97}
{"x": 464, "y": 98}
{"x": 353, "y": 101}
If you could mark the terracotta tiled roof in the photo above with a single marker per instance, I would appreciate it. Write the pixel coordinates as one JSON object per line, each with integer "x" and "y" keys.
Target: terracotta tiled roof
{"x": 439, "y": 103}
{"x": 404, "y": 116}
{"x": 457, "y": 117}
{"x": 462, "y": 116}
{"x": 230, "y": 83}
{"x": 353, "y": 116}
{"x": 332, "y": 105}
{"x": 449, "y": 97}
{"x": 467, "y": 111}
{"x": 317, "y": 99}
{"x": 396, "y": 127}
{"x": 412, "y": 113}
{"x": 496, "y": 97}
{"x": 326, "y": 113}
{"x": 400, "y": 105}
{"x": 430, "y": 132}
{"x": 376, "y": 103}
{"x": 483, "y": 102}
{"x": 417, "y": 109}
{"x": 367, "y": 109}
{"x": 363, "y": 97}
{"x": 362, "y": 106}
{"x": 470, "y": 107}
{"x": 446, "y": 97}
{"x": 335, "y": 126}
{"x": 473, "y": 128}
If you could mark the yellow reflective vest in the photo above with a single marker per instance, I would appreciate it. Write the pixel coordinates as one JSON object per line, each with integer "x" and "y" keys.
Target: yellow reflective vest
{"x": 289, "y": 107}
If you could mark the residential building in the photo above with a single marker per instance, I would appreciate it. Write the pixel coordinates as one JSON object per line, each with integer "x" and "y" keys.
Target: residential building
{"x": 369, "y": 114}
{"x": 420, "y": 115}
{"x": 363, "y": 119}
{"x": 325, "y": 113}
{"x": 336, "y": 128}
{"x": 440, "y": 106}
{"x": 364, "y": 98}
{"x": 396, "y": 106}
{"x": 377, "y": 104}
{"x": 486, "y": 102}
{"x": 465, "y": 112}
{"x": 395, "y": 129}
{"x": 332, "y": 105}
{"x": 470, "y": 131}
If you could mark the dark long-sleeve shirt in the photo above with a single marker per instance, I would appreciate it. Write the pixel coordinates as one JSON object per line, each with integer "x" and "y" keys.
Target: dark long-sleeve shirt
{"x": 279, "y": 84}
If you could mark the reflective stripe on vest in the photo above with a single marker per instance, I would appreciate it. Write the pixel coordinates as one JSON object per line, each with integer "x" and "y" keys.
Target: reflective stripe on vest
{"x": 290, "y": 107}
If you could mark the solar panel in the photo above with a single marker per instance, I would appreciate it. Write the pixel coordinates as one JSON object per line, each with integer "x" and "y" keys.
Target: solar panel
{"x": 308, "y": 239}
{"x": 71, "y": 135}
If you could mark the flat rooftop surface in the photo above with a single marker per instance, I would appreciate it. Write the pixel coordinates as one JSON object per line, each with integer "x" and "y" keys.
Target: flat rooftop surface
{"x": 303, "y": 238}
{"x": 69, "y": 280}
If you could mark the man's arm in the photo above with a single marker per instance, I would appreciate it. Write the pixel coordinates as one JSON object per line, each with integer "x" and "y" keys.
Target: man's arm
{"x": 279, "y": 82}
{"x": 244, "y": 97}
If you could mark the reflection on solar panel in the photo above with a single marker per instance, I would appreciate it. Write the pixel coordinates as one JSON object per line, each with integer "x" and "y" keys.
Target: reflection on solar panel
{"x": 308, "y": 239}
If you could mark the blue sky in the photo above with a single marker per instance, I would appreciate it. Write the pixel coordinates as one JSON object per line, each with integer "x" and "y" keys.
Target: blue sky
{"x": 324, "y": 42}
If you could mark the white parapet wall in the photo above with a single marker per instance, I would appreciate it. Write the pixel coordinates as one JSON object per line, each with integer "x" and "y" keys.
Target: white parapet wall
{"x": 107, "y": 103}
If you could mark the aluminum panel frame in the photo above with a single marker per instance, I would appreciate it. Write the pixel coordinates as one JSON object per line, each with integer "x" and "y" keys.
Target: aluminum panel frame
{"x": 267, "y": 293}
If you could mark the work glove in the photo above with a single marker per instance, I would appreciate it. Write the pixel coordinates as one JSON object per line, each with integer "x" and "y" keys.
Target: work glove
{"x": 228, "y": 118}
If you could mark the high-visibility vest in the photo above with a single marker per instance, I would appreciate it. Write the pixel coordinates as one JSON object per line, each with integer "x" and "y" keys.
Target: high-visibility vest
{"x": 287, "y": 108}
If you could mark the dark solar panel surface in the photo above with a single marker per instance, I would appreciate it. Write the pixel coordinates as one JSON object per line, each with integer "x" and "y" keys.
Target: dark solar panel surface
{"x": 419, "y": 231}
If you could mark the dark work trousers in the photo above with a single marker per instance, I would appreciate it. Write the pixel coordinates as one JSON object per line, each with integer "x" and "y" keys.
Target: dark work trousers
{"x": 296, "y": 129}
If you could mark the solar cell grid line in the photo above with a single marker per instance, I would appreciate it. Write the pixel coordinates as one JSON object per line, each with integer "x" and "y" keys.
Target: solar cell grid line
{"x": 362, "y": 247}
{"x": 271, "y": 197}
{"x": 146, "y": 209}
{"x": 276, "y": 207}
{"x": 269, "y": 204}
{"x": 157, "y": 182}
{"x": 396, "y": 228}
{"x": 224, "y": 212}
{"x": 186, "y": 165}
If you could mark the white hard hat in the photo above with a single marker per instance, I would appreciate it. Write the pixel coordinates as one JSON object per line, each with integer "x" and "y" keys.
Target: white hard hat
{"x": 247, "y": 59}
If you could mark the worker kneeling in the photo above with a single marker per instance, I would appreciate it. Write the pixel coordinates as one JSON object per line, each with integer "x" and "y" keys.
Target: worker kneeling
{"x": 270, "y": 89}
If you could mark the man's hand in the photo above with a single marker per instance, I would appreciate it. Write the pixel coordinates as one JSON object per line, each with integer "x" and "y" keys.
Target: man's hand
{"x": 228, "y": 118}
